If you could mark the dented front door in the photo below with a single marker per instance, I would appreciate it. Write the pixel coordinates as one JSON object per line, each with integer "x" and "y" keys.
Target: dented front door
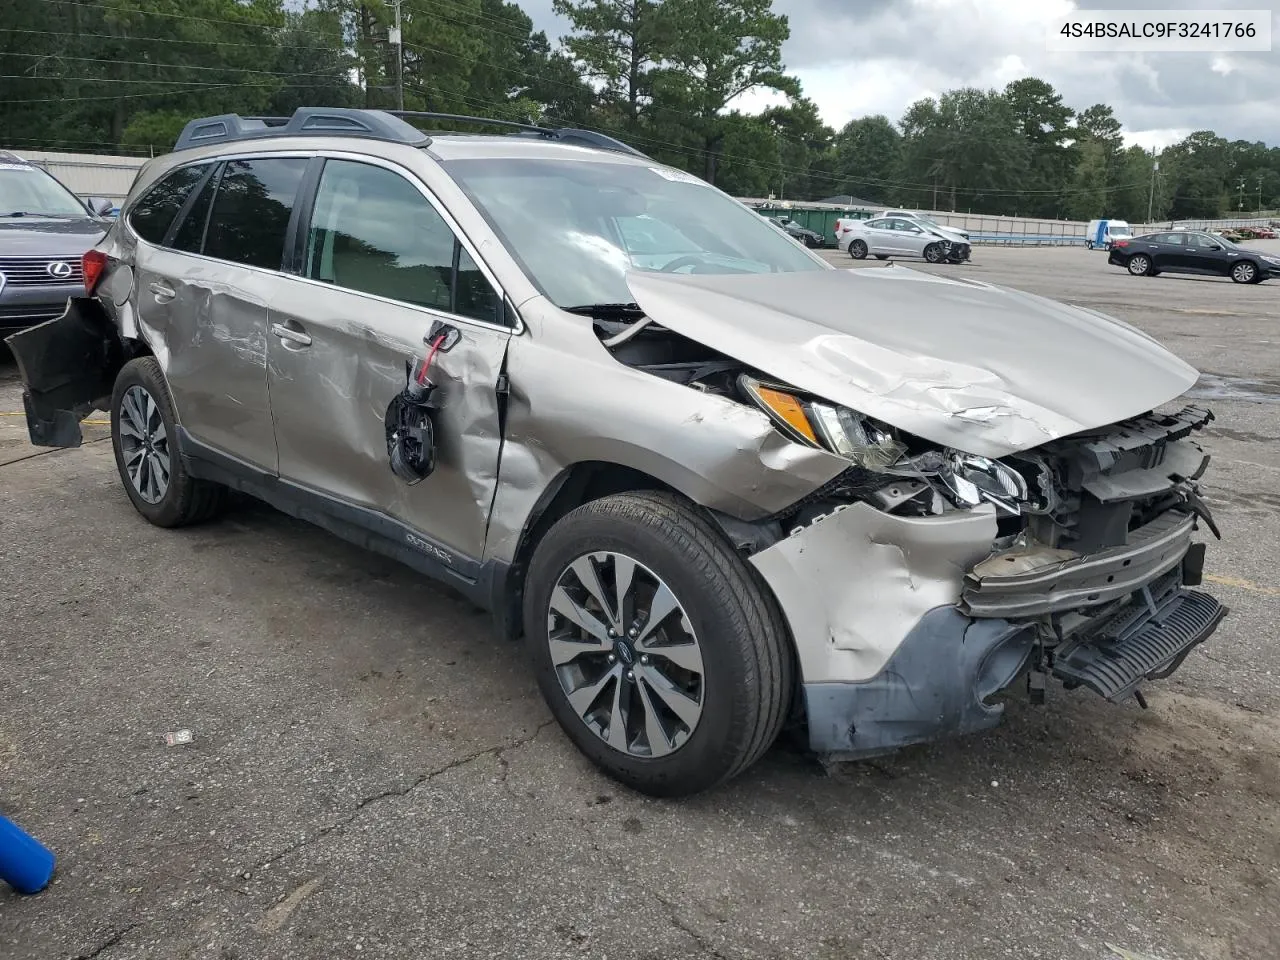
{"x": 379, "y": 268}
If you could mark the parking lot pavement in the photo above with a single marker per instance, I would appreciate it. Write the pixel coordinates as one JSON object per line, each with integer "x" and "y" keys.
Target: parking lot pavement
{"x": 372, "y": 775}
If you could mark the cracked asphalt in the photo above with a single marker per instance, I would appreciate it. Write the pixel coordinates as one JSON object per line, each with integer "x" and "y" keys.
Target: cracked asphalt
{"x": 371, "y": 774}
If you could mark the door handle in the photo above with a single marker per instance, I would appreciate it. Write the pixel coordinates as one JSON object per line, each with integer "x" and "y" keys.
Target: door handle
{"x": 289, "y": 335}
{"x": 162, "y": 291}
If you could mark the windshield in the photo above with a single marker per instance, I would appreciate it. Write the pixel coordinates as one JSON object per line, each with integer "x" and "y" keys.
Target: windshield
{"x": 577, "y": 227}
{"x": 30, "y": 191}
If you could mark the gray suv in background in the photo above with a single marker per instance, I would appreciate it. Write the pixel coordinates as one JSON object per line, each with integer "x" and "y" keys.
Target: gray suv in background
{"x": 44, "y": 230}
{"x": 719, "y": 486}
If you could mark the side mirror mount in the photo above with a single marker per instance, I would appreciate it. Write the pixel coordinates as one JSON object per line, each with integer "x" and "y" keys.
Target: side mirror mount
{"x": 99, "y": 206}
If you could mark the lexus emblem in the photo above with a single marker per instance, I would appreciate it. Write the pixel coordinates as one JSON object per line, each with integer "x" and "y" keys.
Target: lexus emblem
{"x": 59, "y": 269}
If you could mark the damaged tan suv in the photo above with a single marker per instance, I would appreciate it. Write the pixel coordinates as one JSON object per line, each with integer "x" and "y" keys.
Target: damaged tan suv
{"x": 719, "y": 485}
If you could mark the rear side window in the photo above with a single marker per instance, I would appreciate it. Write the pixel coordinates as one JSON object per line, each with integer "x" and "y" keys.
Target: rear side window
{"x": 153, "y": 214}
{"x": 190, "y": 232}
{"x": 251, "y": 210}
{"x": 374, "y": 232}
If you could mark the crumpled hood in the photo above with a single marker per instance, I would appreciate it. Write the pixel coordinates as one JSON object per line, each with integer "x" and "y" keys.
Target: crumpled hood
{"x": 965, "y": 364}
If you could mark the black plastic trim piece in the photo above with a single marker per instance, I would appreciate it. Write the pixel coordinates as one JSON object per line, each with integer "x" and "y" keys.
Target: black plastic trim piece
{"x": 361, "y": 526}
{"x": 305, "y": 122}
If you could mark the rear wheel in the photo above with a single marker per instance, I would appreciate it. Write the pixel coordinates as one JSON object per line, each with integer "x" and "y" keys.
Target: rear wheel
{"x": 933, "y": 253}
{"x": 1244, "y": 272}
{"x": 1139, "y": 265}
{"x": 660, "y": 653}
{"x": 858, "y": 249}
{"x": 144, "y": 437}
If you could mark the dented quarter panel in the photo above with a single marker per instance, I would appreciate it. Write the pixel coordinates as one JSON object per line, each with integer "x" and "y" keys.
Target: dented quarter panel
{"x": 853, "y": 584}
{"x": 210, "y": 339}
{"x": 572, "y": 402}
{"x": 983, "y": 369}
{"x": 330, "y": 403}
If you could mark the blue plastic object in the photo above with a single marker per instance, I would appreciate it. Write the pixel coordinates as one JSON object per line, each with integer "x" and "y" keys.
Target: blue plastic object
{"x": 26, "y": 864}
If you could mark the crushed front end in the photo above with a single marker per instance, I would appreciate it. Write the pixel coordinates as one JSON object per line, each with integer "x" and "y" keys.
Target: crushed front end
{"x": 924, "y": 580}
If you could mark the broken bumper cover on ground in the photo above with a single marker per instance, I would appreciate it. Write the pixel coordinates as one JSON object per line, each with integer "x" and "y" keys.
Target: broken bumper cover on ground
{"x": 893, "y": 652}
{"x": 69, "y": 365}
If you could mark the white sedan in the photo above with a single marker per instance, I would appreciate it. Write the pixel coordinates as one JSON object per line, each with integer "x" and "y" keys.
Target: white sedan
{"x": 885, "y": 237}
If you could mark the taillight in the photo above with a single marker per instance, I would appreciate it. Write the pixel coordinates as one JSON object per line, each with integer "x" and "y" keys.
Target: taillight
{"x": 1120, "y": 243}
{"x": 92, "y": 264}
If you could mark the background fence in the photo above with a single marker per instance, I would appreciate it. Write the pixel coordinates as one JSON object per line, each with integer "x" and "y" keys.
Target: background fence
{"x": 90, "y": 175}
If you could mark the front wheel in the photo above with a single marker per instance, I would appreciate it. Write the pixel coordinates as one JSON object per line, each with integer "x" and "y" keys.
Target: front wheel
{"x": 657, "y": 648}
{"x": 1244, "y": 272}
{"x": 858, "y": 249}
{"x": 933, "y": 253}
{"x": 1140, "y": 265}
{"x": 143, "y": 436}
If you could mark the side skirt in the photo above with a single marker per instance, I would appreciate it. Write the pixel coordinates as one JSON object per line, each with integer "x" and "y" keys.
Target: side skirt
{"x": 481, "y": 583}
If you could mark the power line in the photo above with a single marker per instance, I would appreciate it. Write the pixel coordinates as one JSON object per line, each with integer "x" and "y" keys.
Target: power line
{"x": 166, "y": 66}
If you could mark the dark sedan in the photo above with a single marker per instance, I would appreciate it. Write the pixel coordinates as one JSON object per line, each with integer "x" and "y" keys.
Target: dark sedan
{"x": 1189, "y": 251}
{"x": 810, "y": 238}
{"x": 44, "y": 231}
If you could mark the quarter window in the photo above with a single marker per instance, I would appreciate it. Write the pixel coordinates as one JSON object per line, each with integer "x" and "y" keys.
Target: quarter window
{"x": 251, "y": 210}
{"x": 374, "y": 232}
{"x": 190, "y": 233}
{"x": 154, "y": 213}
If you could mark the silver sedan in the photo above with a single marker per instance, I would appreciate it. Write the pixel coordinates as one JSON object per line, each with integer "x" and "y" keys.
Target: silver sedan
{"x": 885, "y": 237}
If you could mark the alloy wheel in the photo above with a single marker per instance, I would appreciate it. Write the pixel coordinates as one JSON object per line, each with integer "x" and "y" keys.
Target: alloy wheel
{"x": 1243, "y": 272}
{"x": 1139, "y": 265}
{"x": 144, "y": 444}
{"x": 626, "y": 654}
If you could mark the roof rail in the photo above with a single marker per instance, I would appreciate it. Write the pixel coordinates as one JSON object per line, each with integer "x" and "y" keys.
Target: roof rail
{"x": 306, "y": 121}
{"x": 568, "y": 134}
{"x": 386, "y": 125}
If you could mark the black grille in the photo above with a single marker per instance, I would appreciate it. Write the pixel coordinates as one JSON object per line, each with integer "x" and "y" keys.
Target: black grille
{"x": 34, "y": 271}
{"x": 29, "y": 315}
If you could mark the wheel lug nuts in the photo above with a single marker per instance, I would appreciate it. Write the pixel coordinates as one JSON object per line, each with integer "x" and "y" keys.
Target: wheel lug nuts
{"x": 612, "y": 658}
{"x": 630, "y": 675}
{"x": 632, "y": 633}
{"x": 645, "y": 659}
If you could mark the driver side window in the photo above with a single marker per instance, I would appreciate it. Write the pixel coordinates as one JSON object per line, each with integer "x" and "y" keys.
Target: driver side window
{"x": 374, "y": 232}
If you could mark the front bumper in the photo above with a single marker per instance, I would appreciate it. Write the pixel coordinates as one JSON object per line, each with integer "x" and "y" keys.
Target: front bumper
{"x": 25, "y": 306}
{"x": 905, "y": 627}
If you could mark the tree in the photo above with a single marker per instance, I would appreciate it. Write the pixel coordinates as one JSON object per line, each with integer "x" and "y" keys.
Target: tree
{"x": 969, "y": 144}
{"x": 1199, "y": 168}
{"x": 617, "y": 42}
{"x": 719, "y": 50}
{"x": 868, "y": 155}
{"x": 1045, "y": 123}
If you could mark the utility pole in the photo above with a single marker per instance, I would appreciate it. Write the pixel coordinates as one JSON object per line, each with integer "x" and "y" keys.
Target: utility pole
{"x": 394, "y": 38}
{"x": 1151, "y": 197}
{"x": 1241, "y": 205}
{"x": 1259, "y": 194}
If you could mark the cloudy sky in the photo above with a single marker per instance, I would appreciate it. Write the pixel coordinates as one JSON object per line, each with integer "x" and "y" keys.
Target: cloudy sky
{"x": 859, "y": 57}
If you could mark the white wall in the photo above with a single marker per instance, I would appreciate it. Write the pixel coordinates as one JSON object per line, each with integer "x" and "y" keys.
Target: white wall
{"x": 89, "y": 175}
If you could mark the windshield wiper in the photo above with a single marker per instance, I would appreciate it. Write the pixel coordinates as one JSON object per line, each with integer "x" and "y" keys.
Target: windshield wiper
{"x": 607, "y": 310}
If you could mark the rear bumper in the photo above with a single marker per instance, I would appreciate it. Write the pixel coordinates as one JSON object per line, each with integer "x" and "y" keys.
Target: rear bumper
{"x": 68, "y": 368}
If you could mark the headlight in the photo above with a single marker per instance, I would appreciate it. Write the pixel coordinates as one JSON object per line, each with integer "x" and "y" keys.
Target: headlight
{"x": 1275, "y": 260}
{"x": 974, "y": 479}
{"x": 817, "y": 424}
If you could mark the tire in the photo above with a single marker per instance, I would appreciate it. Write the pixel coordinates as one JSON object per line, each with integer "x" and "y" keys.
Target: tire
{"x": 1139, "y": 265}
{"x": 747, "y": 668}
{"x": 933, "y": 253}
{"x": 858, "y": 249}
{"x": 173, "y": 501}
{"x": 1246, "y": 271}
{"x": 882, "y": 256}
{"x": 1088, "y": 244}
